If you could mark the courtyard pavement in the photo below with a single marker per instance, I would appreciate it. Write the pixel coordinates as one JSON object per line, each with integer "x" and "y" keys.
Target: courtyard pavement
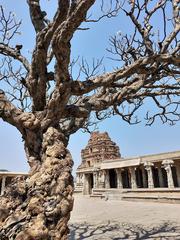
{"x": 94, "y": 219}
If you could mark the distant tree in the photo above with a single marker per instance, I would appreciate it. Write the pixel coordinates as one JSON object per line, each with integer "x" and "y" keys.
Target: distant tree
{"x": 41, "y": 98}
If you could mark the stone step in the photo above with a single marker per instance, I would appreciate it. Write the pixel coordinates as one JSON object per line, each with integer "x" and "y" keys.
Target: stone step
{"x": 78, "y": 190}
{"x": 168, "y": 199}
{"x": 96, "y": 196}
{"x": 154, "y": 190}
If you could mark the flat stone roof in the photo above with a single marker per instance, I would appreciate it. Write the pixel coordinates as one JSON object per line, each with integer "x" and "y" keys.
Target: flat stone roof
{"x": 121, "y": 163}
{"x": 135, "y": 161}
{"x": 13, "y": 174}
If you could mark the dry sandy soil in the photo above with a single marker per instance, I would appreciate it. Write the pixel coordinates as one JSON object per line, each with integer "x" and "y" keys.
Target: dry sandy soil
{"x": 94, "y": 219}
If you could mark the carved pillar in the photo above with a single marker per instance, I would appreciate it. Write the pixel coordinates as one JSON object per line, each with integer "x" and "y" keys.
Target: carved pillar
{"x": 107, "y": 183}
{"x": 133, "y": 178}
{"x": 101, "y": 179}
{"x": 3, "y": 184}
{"x": 160, "y": 175}
{"x": 77, "y": 179}
{"x": 119, "y": 178}
{"x": 86, "y": 190}
{"x": 95, "y": 179}
{"x": 167, "y": 166}
{"x": 148, "y": 167}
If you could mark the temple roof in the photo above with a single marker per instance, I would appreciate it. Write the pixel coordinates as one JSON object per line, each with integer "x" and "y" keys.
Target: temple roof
{"x": 100, "y": 147}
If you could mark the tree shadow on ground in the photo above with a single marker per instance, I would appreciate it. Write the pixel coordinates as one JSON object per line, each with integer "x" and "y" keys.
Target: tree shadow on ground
{"x": 117, "y": 231}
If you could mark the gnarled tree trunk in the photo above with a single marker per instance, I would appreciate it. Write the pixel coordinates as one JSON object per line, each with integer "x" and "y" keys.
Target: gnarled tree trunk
{"x": 39, "y": 208}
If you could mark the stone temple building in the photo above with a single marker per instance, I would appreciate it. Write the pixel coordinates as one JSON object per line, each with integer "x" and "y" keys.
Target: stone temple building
{"x": 104, "y": 171}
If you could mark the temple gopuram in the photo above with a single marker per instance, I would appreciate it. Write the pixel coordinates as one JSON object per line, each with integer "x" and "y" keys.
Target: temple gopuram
{"x": 104, "y": 171}
{"x": 99, "y": 148}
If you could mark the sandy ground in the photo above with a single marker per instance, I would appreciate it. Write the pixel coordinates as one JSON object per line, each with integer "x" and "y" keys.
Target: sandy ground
{"x": 100, "y": 219}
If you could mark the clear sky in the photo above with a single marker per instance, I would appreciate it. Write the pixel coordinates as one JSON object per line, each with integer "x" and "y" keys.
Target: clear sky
{"x": 133, "y": 140}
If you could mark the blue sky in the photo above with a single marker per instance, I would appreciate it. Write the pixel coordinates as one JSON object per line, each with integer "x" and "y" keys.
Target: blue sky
{"x": 133, "y": 140}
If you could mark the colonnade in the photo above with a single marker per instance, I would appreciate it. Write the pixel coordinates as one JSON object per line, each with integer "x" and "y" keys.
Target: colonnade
{"x": 148, "y": 175}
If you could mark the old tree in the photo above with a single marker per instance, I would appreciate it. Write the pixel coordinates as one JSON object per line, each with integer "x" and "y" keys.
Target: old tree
{"x": 41, "y": 97}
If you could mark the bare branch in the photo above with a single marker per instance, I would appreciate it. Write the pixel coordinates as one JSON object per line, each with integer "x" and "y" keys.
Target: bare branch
{"x": 14, "y": 53}
{"x": 140, "y": 66}
{"x": 9, "y": 27}
{"x": 176, "y": 16}
{"x": 112, "y": 11}
{"x": 61, "y": 48}
{"x": 36, "y": 14}
{"x": 14, "y": 116}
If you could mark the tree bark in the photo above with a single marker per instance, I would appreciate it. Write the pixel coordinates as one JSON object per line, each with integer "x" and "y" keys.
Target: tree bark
{"x": 39, "y": 207}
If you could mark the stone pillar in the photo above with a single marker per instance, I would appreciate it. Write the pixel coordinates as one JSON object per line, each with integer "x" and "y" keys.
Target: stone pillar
{"x": 95, "y": 179}
{"x": 133, "y": 178}
{"x": 148, "y": 167}
{"x": 77, "y": 178}
{"x": 85, "y": 184}
{"x": 144, "y": 178}
{"x": 107, "y": 183}
{"x": 101, "y": 179}
{"x": 119, "y": 178}
{"x": 160, "y": 175}
{"x": 167, "y": 166}
{"x": 3, "y": 184}
{"x": 178, "y": 174}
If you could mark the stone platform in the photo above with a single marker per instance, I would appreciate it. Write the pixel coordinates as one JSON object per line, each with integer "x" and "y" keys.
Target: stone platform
{"x": 155, "y": 194}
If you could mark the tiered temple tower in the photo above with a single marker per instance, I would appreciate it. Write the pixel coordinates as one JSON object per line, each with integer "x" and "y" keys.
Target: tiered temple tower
{"x": 99, "y": 148}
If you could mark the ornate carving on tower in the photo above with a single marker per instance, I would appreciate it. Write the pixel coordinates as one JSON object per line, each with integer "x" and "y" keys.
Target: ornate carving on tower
{"x": 100, "y": 147}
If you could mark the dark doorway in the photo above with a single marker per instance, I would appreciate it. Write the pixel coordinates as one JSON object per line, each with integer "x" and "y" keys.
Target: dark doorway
{"x": 155, "y": 177}
{"x": 146, "y": 179}
{"x": 112, "y": 178}
{"x": 139, "y": 178}
{"x": 91, "y": 182}
{"x": 125, "y": 179}
{"x": 164, "y": 174}
{"x": 174, "y": 175}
